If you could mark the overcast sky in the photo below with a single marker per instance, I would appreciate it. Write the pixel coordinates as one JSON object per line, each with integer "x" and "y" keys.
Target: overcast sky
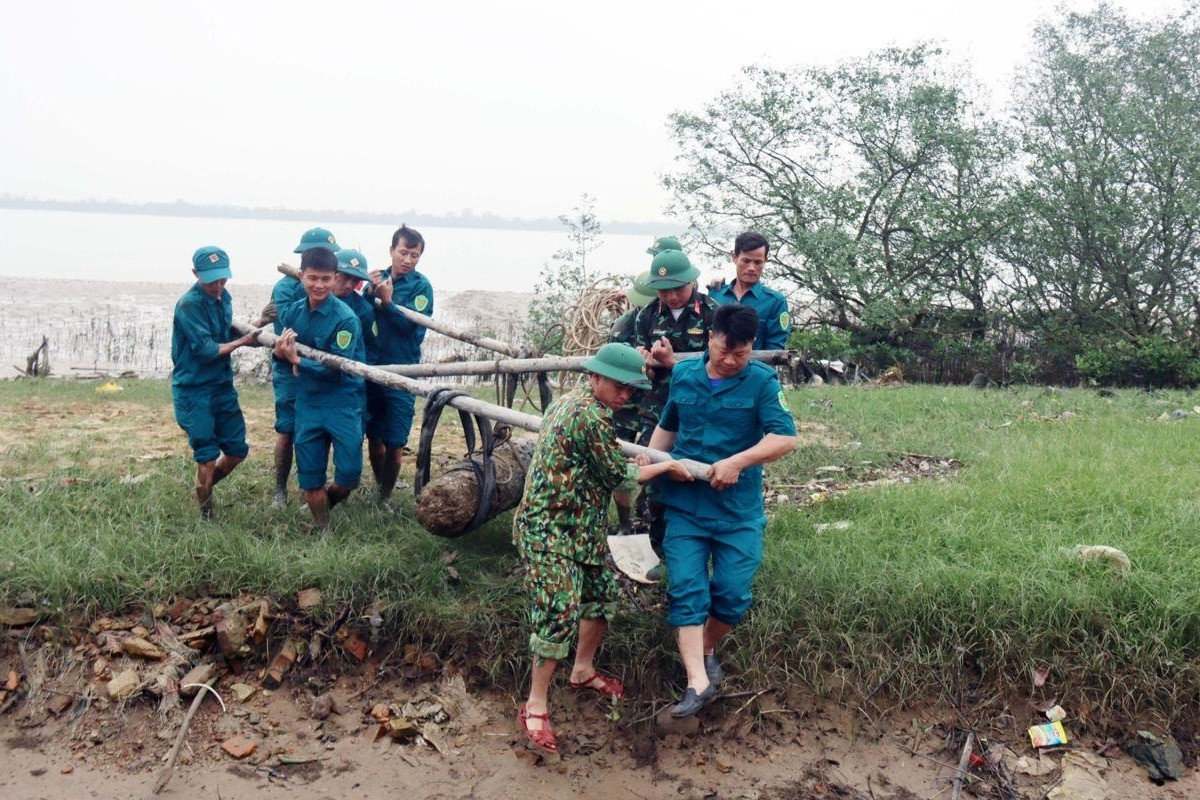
{"x": 514, "y": 108}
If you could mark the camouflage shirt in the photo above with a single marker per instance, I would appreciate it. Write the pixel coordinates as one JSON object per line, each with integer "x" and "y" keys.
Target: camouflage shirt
{"x": 627, "y": 419}
{"x": 688, "y": 334}
{"x": 576, "y": 465}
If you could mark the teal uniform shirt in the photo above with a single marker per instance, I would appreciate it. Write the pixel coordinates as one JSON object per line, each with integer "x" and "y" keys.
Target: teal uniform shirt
{"x": 202, "y": 393}
{"x": 399, "y": 338}
{"x": 715, "y": 423}
{"x": 286, "y": 291}
{"x": 774, "y": 321}
{"x": 333, "y": 328}
{"x": 202, "y": 324}
{"x": 365, "y": 311}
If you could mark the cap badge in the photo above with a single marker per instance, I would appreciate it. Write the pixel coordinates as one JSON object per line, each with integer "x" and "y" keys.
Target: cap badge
{"x": 354, "y": 262}
{"x": 213, "y": 257}
{"x": 662, "y": 270}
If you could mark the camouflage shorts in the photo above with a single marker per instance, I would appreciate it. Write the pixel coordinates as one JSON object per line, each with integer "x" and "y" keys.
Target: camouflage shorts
{"x": 562, "y": 591}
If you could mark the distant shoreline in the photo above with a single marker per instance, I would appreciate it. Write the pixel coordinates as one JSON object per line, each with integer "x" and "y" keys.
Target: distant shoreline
{"x": 180, "y": 208}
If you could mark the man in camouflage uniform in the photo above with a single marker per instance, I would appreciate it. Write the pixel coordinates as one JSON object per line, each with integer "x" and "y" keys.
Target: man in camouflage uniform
{"x": 677, "y": 322}
{"x": 557, "y": 529}
{"x": 627, "y": 420}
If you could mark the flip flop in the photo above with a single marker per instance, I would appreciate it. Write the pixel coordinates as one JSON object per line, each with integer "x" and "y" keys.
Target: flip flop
{"x": 609, "y": 686}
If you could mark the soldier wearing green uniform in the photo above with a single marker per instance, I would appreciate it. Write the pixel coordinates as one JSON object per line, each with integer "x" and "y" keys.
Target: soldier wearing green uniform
{"x": 577, "y": 462}
{"x": 206, "y": 404}
{"x": 730, "y": 412}
{"x": 328, "y": 402}
{"x": 677, "y": 322}
{"x": 390, "y": 411}
{"x": 627, "y": 420}
{"x": 286, "y": 291}
{"x": 750, "y": 251}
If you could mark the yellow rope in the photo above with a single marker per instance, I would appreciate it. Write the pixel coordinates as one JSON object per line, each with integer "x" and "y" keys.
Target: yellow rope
{"x": 592, "y": 314}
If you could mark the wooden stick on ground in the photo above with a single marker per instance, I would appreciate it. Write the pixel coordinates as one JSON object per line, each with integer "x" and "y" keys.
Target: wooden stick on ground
{"x": 517, "y": 419}
{"x": 164, "y": 775}
{"x": 486, "y": 342}
{"x": 961, "y": 772}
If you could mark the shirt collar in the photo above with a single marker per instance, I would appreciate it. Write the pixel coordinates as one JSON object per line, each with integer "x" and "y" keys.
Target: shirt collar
{"x": 322, "y": 309}
{"x": 753, "y": 290}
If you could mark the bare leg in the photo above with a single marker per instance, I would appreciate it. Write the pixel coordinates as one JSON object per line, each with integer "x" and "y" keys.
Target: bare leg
{"x": 204, "y": 486}
{"x": 390, "y": 472}
{"x": 375, "y": 452}
{"x": 225, "y": 465}
{"x": 714, "y": 632}
{"x": 336, "y": 494}
{"x": 539, "y": 689}
{"x": 318, "y": 503}
{"x": 691, "y": 651}
{"x": 591, "y": 632}
{"x": 283, "y": 468}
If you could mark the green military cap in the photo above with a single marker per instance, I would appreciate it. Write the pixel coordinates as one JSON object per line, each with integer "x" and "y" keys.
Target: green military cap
{"x": 620, "y": 362}
{"x": 663, "y": 243}
{"x": 316, "y": 237}
{"x": 211, "y": 264}
{"x": 352, "y": 263}
{"x": 671, "y": 269}
{"x": 640, "y": 294}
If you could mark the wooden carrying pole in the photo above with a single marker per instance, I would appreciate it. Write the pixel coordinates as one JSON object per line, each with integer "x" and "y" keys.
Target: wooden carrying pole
{"x": 545, "y": 364}
{"x": 486, "y": 342}
{"x": 508, "y": 416}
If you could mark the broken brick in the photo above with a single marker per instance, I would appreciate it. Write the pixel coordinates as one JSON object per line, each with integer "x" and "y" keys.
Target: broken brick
{"x": 239, "y": 746}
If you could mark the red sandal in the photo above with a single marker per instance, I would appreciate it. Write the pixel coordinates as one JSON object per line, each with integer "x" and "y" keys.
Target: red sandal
{"x": 543, "y": 740}
{"x": 609, "y": 686}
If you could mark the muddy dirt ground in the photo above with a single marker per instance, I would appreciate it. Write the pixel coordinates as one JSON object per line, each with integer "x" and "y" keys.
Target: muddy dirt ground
{"x": 748, "y": 745}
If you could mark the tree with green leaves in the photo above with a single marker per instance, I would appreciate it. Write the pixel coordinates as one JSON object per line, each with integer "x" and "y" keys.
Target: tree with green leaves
{"x": 563, "y": 279}
{"x": 1105, "y": 248}
{"x": 879, "y": 182}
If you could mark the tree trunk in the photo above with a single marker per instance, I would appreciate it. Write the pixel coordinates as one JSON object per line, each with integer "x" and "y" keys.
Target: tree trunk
{"x": 448, "y": 503}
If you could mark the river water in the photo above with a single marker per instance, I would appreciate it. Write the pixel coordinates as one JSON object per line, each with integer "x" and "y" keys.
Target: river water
{"x": 102, "y": 287}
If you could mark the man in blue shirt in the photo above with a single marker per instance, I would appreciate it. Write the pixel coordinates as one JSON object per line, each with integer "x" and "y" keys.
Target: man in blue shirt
{"x": 206, "y": 404}
{"x": 328, "y": 402}
{"x": 729, "y": 411}
{"x": 352, "y": 271}
{"x": 750, "y": 251}
{"x": 288, "y": 290}
{"x": 390, "y": 411}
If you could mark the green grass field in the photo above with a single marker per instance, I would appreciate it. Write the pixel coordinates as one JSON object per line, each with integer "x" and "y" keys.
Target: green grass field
{"x": 937, "y": 585}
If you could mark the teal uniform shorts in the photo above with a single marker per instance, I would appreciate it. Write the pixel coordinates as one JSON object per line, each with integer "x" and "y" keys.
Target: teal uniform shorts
{"x": 734, "y": 547}
{"x": 316, "y": 432}
{"x": 212, "y": 420}
{"x": 389, "y": 415}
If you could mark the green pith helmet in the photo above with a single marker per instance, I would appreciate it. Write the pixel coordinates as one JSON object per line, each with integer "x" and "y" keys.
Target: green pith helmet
{"x": 640, "y": 294}
{"x": 671, "y": 269}
{"x": 620, "y": 362}
{"x": 211, "y": 264}
{"x": 352, "y": 263}
{"x": 662, "y": 244}
{"x": 316, "y": 237}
